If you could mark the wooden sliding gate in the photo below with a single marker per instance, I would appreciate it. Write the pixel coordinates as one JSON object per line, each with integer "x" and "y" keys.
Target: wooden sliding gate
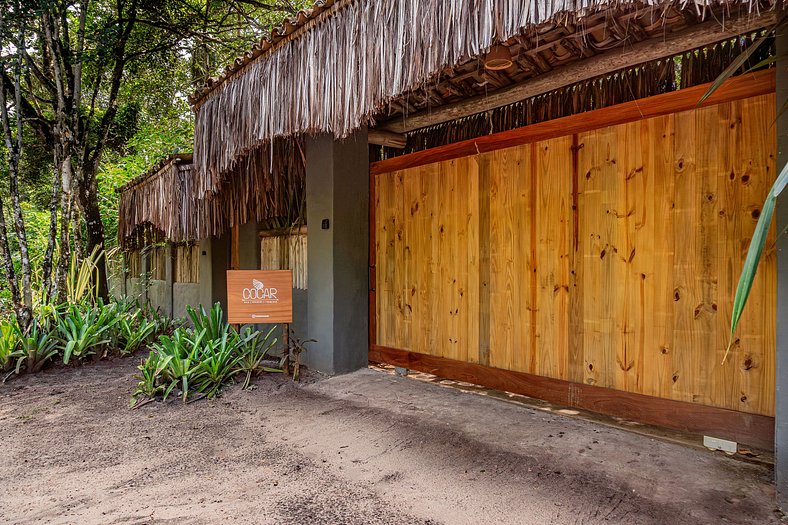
{"x": 591, "y": 260}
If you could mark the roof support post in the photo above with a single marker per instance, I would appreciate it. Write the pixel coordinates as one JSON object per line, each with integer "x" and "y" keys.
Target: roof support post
{"x": 169, "y": 277}
{"x": 781, "y": 380}
{"x": 214, "y": 261}
{"x": 337, "y": 196}
{"x": 145, "y": 277}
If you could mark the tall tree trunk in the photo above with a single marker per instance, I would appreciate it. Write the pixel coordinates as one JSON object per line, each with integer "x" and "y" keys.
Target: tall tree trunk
{"x": 66, "y": 206}
{"x": 94, "y": 229}
{"x": 46, "y": 265}
{"x": 7, "y": 259}
{"x": 12, "y": 131}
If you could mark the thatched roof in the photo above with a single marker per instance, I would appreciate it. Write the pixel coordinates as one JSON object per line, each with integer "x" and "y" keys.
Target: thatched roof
{"x": 167, "y": 201}
{"x": 333, "y": 68}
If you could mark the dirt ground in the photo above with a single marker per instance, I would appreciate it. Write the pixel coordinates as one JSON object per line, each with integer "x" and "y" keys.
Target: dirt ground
{"x": 367, "y": 448}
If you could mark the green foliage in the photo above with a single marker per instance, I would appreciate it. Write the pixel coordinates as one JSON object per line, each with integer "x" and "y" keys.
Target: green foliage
{"x": 133, "y": 330}
{"x": 254, "y": 353}
{"x": 150, "y": 378}
{"x": 37, "y": 346}
{"x": 182, "y": 360}
{"x": 82, "y": 330}
{"x": 754, "y": 252}
{"x": 203, "y": 359}
{"x": 218, "y": 363}
{"x": 75, "y": 332}
{"x": 9, "y": 344}
{"x": 211, "y": 322}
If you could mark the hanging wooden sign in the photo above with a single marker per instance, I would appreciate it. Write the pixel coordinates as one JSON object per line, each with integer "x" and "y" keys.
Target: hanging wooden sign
{"x": 259, "y": 296}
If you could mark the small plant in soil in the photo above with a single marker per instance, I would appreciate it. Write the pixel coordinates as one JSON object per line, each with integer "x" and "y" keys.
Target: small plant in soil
{"x": 9, "y": 345}
{"x": 255, "y": 352}
{"x": 37, "y": 346}
{"x": 296, "y": 347}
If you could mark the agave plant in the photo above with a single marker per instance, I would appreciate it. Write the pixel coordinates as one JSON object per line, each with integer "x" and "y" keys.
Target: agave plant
{"x": 9, "y": 344}
{"x": 37, "y": 346}
{"x": 253, "y": 351}
{"x": 83, "y": 329}
{"x": 211, "y": 322}
{"x": 218, "y": 363}
{"x": 150, "y": 378}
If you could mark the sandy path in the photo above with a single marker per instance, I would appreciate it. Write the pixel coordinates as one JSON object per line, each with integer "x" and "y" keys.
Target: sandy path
{"x": 367, "y": 448}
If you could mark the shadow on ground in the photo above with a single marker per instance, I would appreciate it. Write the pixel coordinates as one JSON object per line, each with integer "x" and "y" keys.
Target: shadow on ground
{"x": 366, "y": 448}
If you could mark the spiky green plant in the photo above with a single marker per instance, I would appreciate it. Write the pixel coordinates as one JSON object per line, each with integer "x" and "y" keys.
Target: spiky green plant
{"x": 9, "y": 344}
{"x": 218, "y": 363}
{"x": 84, "y": 328}
{"x": 254, "y": 351}
{"x": 150, "y": 378}
{"x": 37, "y": 346}
{"x": 184, "y": 359}
{"x": 133, "y": 332}
{"x": 211, "y": 322}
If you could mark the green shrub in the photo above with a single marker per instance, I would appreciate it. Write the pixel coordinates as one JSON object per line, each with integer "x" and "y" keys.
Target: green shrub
{"x": 10, "y": 349}
{"x": 134, "y": 330}
{"x": 182, "y": 359}
{"x": 202, "y": 359}
{"x": 37, "y": 346}
{"x": 212, "y": 322}
{"x": 218, "y": 363}
{"x": 150, "y": 379}
{"x": 82, "y": 329}
{"x": 253, "y": 353}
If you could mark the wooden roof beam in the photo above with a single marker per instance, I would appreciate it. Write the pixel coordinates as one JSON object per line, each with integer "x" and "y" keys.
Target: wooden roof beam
{"x": 693, "y": 37}
{"x": 386, "y": 138}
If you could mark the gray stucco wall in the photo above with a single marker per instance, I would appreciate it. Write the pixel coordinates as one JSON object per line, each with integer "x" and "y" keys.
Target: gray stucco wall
{"x": 781, "y": 383}
{"x": 159, "y": 296}
{"x": 337, "y": 189}
{"x": 184, "y": 294}
{"x": 134, "y": 289}
{"x": 117, "y": 286}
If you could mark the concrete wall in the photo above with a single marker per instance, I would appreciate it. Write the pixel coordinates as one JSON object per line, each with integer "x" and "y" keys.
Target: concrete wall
{"x": 781, "y": 219}
{"x": 220, "y": 262}
{"x": 160, "y": 296}
{"x": 134, "y": 290}
{"x": 184, "y": 294}
{"x": 337, "y": 189}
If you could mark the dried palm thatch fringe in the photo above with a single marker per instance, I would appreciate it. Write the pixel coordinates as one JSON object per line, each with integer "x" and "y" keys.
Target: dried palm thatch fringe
{"x": 169, "y": 203}
{"x": 187, "y": 263}
{"x": 340, "y": 68}
{"x": 689, "y": 69}
{"x": 286, "y": 252}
